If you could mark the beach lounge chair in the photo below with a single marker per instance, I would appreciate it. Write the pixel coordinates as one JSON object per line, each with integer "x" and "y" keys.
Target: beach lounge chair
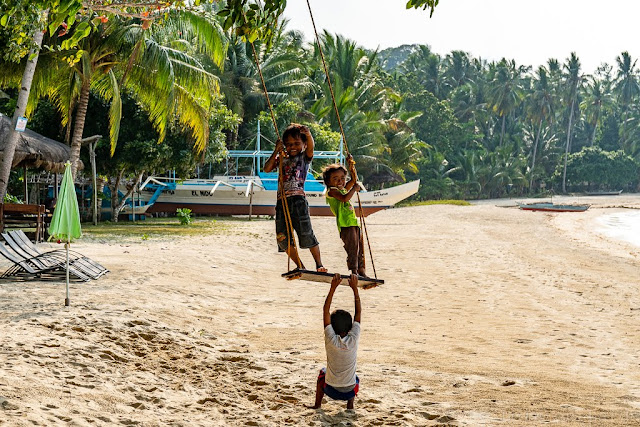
{"x": 42, "y": 266}
{"x": 22, "y": 245}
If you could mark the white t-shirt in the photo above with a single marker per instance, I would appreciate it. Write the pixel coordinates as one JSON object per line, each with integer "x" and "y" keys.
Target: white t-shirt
{"x": 341, "y": 356}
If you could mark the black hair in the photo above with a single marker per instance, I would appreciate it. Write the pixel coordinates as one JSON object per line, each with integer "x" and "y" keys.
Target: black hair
{"x": 293, "y": 130}
{"x": 327, "y": 171}
{"x": 341, "y": 322}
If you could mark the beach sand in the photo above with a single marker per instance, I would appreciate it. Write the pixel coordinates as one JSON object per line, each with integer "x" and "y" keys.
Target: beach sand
{"x": 489, "y": 316}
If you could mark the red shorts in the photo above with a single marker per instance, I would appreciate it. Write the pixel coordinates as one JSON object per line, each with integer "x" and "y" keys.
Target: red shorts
{"x": 335, "y": 394}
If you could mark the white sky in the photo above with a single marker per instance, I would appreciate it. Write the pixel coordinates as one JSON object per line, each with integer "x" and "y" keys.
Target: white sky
{"x": 529, "y": 31}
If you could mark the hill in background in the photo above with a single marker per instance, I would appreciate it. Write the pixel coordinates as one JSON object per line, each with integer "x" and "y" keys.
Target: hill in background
{"x": 392, "y": 57}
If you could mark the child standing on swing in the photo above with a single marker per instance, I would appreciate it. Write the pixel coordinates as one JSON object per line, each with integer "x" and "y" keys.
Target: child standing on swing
{"x": 298, "y": 145}
{"x": 339, "y": 197}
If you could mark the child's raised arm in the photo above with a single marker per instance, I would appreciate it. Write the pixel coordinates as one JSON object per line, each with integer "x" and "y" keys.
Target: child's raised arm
{"x": 326, "y": 310}
{"x": 353, "y": 283}
{"x": 310, "y": 142}
{"x": 354, "y": 175}
{"x": 352, "y": 169}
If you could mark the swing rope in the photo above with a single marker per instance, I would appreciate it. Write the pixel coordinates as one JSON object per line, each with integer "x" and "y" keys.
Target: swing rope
{"x": 344, "y": 138}
{"x": 283, "y": 197}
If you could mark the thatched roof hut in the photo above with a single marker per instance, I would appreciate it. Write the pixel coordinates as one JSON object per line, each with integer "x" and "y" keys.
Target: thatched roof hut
{"x": 34, "y": 150}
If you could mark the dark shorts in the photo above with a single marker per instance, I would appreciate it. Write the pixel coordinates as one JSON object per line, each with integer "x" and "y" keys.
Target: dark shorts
{"x": 336, "y": 394}
{"x": 301, "y": 221}
{"x": 354, "y": 246}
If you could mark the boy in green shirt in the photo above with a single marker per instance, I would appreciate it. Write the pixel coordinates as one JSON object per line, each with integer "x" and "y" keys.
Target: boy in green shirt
{"x": 338, "y": 197}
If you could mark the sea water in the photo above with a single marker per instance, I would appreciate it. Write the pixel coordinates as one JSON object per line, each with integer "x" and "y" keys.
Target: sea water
{"x": 622, "y": 225}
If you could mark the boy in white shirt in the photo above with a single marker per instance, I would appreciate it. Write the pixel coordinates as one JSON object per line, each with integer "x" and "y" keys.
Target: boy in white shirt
{"x": 339, "y": 380}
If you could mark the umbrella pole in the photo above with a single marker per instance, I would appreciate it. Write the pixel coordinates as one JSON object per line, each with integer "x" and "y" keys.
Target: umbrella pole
{"x": 66, "y": 300}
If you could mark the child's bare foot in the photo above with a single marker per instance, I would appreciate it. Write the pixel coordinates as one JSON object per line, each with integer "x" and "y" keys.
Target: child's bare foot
{"x": 321, "y": 269}
{"x": 312, "y": 406}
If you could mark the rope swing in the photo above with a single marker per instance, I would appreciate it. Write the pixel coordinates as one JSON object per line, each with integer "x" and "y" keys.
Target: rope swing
{"x": 291, "y": 242}
{"x": 283, "y": 197}
{"x": 344, "y": 138}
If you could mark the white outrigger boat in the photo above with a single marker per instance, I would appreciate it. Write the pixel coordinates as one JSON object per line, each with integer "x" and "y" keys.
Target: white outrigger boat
{"x": 255, "y": 194}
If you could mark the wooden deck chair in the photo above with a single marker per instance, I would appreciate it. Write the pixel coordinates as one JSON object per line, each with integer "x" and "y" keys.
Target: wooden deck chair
{"x": 83, "y": 263}
{"x": 36, "y": 267}
{"x": 56, "y": 259}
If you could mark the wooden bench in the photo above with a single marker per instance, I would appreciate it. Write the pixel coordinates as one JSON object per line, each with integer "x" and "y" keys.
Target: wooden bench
{"x": 23, "y": 216}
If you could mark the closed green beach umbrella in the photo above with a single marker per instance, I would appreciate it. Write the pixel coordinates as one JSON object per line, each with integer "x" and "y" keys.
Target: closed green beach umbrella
{"x": 65, "y": 224}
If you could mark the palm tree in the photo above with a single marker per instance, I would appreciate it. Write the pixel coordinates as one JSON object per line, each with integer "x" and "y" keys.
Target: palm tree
{"x": 541, "y": 108}
{"x": 627, "y": 86}
{"x": 283, "y": 68}
{"x": 506, "y": 91}
{"x": 458, "y": 69}
{"x": 573, "y": 80}
{"x": 402, "y": 149}
{"x": 597, "y": 98}
{"x": 163, "y": 77}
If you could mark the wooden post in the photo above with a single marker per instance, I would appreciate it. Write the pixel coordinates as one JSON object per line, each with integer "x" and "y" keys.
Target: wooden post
{"x": 92, "y": 158}
{"x": 26, "y": 193}
{"x": 250, "y": 199}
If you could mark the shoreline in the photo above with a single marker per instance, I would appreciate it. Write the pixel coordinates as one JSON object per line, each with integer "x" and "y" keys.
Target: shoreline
{"x": 488, "y": 317}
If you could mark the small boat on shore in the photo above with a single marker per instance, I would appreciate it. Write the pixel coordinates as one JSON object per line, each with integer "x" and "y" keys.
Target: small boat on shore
{"x": 551, "y": 207}
{"x": 603, "y": 193}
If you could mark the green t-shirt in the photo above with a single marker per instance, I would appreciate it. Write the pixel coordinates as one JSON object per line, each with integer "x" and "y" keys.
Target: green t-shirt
{"x": 345, "y": 215}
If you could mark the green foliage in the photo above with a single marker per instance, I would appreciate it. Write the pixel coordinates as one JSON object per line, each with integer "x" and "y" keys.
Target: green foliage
{"x": 184, "y": 215}
{"x": 424, "y": 4}
{"x": 252, "y": 20}
{"x": 436, "y": 202}
{"x": 325, "y": 139}
{"x": 610, "y": 170}
{"x": 8, "y": 198}
{"x": 285, "y": 113}
{"x": 437, "y": 126}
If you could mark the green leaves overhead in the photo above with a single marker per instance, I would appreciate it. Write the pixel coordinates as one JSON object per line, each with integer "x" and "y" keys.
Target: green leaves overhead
{"x": 253, "y": 20}
{"x": 423, "y": 4}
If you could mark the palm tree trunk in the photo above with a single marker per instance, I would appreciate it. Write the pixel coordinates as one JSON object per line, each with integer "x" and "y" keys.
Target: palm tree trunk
{"x": 504, "y": 116}
{"x": 535, "y": 153}
{"x": 123, "y": 202}
{"x": 595, "y": 126}
{"x": 566, "y": 149}
{"x": 78, "y": 126}
{"x": 113, "y": 187}
{"x": 21, "y": 107}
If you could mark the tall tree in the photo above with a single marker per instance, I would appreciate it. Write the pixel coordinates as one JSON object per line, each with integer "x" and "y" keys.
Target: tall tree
{"x": 627, "y": 87}
{"x": 21, "y": 107}
{"x": 573, "y": 80}
{"x": 541, "y": 108}
{"x": 506, "y": 91}
{"x": 597, "y": 98}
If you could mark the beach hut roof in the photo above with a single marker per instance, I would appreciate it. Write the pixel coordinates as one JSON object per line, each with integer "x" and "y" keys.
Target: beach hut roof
{"x": 34, "y": 150}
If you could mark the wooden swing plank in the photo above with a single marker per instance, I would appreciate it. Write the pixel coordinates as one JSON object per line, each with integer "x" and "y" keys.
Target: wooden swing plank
{"x": 321, "y": 277}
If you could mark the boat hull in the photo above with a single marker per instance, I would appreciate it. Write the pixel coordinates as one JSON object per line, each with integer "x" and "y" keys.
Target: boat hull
{"x": 217, "y": 209}
{"x": 550, "y": 207}
{"x": 207, "y": 199}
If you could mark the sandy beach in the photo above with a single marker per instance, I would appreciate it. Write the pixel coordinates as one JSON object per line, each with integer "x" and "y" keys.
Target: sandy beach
{"x": 489, "y": 316}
